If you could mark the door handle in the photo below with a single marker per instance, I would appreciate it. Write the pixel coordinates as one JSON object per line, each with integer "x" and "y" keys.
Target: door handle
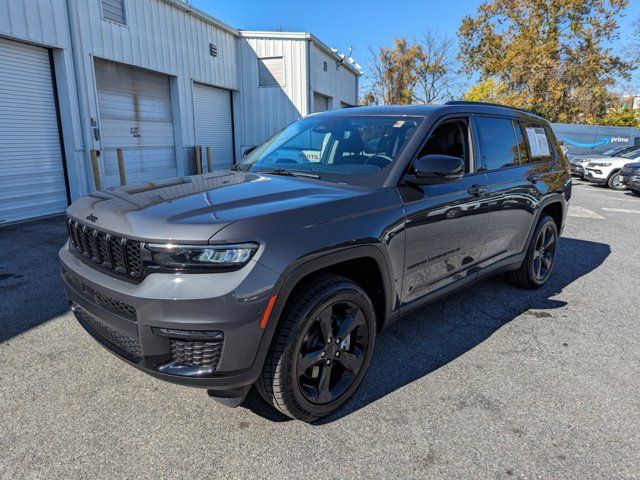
{"x": 477, "y": 189}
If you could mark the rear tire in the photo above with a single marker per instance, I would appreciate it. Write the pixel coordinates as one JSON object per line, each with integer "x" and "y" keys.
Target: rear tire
{"x": 540, "y": 258}
{"x": 614, "y": 182}
{"x": 310, "y": 371}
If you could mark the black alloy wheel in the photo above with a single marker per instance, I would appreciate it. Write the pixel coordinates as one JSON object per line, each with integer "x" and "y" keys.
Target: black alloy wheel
{"x": 540, "y": 258}
{"x": 322, "y": 349}
{"x": 332, "y": 352}
{"x": 544, "y": 254}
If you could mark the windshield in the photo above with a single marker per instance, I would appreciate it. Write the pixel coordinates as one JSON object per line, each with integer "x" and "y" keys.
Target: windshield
{"x": 632, "y": 154}
{"x": 615, "y": 151}
{"x": 351, "y": 149}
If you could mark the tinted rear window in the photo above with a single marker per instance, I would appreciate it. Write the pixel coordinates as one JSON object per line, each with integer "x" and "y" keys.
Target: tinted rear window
{"x": 497, "y": 143}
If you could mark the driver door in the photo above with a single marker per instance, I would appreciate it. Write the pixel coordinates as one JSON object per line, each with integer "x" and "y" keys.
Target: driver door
{"x": 446, "y": 223}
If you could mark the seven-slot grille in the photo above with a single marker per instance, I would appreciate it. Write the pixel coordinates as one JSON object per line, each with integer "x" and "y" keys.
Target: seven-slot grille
{"x": 119, "y": 254}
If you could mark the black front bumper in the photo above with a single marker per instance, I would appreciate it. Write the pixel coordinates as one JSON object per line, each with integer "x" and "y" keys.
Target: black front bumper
{"x": 124, "y": 337}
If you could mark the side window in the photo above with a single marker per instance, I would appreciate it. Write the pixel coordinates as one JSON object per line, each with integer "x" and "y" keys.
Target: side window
{"x": 522, "y": 144}
{"x": 449, "y": 138}
{"x": 537, "y": 138}
{"x": 497, "y": 143}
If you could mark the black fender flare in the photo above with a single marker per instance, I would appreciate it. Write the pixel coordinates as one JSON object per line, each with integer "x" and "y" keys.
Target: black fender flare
{"x": 549, "y": 200}
{"x": 314, "y": 263}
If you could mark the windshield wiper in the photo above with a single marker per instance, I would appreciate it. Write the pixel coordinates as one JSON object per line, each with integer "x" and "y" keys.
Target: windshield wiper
{"x": 289, "y": 173}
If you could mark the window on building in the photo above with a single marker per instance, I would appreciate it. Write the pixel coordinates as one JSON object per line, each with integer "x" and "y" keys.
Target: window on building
{"x": 497, "y": 143}
{"x": 271, "y": 72}
{"x": 114, "y": 11}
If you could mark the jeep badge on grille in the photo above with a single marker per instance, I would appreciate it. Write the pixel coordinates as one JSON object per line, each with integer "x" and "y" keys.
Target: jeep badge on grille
{"x": 92, "y": 218}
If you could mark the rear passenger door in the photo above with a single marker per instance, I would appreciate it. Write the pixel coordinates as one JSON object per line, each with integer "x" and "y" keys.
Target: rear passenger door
{"x": 515, "y": 156}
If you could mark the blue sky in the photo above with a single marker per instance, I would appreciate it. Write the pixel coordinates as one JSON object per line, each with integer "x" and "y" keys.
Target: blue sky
{"x": 342, "y": 24}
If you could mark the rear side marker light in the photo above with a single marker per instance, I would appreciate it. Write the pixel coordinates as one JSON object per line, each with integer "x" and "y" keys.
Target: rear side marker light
{"x": 267, "y": 312}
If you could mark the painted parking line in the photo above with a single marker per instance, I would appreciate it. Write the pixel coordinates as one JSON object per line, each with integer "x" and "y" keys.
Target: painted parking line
{"x": 581, "y": 212}
{"x": 623, "y": 199}
{"x": 620, "y": 210}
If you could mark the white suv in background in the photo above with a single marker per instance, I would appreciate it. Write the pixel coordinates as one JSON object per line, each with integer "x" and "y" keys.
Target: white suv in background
{"x": 578, "y": 163}
{"x": 605, "y": 171}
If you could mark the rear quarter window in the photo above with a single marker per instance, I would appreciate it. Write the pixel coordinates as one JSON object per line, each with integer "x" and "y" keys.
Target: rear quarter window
{"x": 539, "y": 144}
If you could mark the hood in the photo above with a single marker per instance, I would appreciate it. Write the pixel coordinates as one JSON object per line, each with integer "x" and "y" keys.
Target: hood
{"x": 193, "y": 209}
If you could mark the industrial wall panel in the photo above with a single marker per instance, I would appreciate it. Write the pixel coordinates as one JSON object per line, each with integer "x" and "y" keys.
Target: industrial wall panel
{"x": 264, "y": 111}
{"x": 32, "y": 179}
{"x": 135, "y": 115}
{"x": 214, "y": 124}
{"x": 337, "y": 81}
{"x": 40, "y": 21}
{"x": 166, "y": 38}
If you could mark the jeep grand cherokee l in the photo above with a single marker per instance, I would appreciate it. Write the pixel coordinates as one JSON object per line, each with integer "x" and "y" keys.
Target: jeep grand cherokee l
{"x": 280, "y": 272}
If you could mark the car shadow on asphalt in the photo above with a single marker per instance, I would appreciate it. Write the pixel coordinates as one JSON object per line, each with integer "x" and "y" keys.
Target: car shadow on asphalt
{"x": 437, "y": 334}
{"x": 30, "y": 286}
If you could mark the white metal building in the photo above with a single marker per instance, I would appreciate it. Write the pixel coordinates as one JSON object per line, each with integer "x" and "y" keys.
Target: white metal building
{"x": 154, "y": 78}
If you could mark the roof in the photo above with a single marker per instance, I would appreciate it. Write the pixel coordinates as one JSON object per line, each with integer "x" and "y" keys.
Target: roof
{"x": 203, "y": 16}
{"x": 427, "y": 110}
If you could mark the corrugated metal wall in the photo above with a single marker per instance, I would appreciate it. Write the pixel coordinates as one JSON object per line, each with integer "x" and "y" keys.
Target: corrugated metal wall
{"x": 163, "y": 38}
{"x": 340, "y": 84}
{"x": 265, "y": 110}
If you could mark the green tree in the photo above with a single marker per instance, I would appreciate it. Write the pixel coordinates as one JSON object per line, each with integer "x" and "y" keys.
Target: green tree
{"x": 622, "y": 117}
{"x": 422, "y": 71}
{"x": 551, "y": 56}
{"x": 392, "y": 71}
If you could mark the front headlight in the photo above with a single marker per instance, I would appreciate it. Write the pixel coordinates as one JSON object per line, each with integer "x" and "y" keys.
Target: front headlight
{"x": 598, "y": 164}
{"x": 206, "y": 256}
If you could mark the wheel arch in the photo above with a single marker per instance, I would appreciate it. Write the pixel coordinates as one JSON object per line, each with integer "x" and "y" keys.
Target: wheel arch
{"x": 366, "y": 265}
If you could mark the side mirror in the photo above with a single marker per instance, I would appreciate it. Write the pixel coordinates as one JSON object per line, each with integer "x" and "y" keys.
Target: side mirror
{"x": 432, "y": 169}
{"x": 248, "y": 150}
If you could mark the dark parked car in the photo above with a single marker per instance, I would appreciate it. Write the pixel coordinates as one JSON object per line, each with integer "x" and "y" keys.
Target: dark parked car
{"x": 630, "y": 175}
{"x": 280, "y": 272}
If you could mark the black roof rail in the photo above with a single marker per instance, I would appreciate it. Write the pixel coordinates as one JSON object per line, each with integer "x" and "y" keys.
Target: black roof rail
{"x": 470, "y": 102}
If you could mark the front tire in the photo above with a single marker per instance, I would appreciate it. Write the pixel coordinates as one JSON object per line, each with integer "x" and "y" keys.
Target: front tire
{"x": 540, "y": 258}
{"x": 322, "y": 350}
{"x": 614, "y": 182}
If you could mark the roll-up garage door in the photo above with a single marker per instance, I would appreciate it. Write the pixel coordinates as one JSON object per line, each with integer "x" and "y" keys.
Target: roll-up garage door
{"x": 320, "y": 102}
{"x": 214, "y": 124}
{"x": 135, "y": 115}
{"x": 32, "y": 179}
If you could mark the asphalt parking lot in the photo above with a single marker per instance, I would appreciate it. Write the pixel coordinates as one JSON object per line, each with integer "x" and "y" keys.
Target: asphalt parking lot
{"x": 493, "y": 382}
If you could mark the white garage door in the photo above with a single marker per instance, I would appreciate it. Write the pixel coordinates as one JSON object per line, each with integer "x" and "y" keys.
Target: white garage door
{"x": 31, "y": 171}
{"x": 135, "y": 115}
{"x": 214, "y": 124}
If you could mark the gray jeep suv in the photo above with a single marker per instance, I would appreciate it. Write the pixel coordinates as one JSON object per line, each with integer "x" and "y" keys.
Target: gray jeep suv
{"x": 280, "y": 272}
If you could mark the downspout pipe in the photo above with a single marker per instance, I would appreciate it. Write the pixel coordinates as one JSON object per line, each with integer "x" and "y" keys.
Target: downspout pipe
{"x": 81, "y": 90}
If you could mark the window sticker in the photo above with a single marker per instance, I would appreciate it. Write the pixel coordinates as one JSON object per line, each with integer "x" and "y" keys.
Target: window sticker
{"x": 399, "y": 124}
{"x": 538, "y": 142}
